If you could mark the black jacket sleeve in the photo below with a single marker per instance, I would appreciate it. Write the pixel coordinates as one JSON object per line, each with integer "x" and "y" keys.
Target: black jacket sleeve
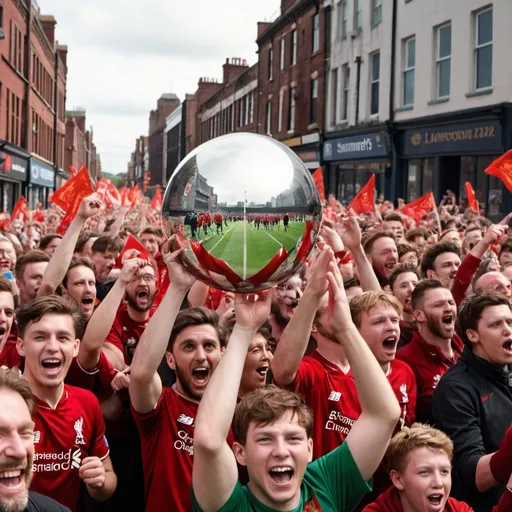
{"x": 39, "y": 503}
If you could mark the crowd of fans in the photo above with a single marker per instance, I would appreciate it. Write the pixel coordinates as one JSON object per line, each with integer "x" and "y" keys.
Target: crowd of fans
{"x": 378, "y": 378}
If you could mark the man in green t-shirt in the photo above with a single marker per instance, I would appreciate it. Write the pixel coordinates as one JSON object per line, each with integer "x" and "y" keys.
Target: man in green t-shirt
{"x": 272, "y": 427}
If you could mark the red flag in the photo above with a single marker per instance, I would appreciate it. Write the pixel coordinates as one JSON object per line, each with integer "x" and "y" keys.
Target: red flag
{"x": 38, "y": 215}
{"x": 156, "y": 202}
{"x": 70, "y": 195}
{"x": 20, "y": 210}
{"x": 318, "y": 178}
{"x": 419, "y": 207}
{"x": 131, "y": 243}
{"x": 502, "y": 169}
{"x": 472, "y": 201}
{"x": 73, "y": 170}
{"x": 364, "y": 200}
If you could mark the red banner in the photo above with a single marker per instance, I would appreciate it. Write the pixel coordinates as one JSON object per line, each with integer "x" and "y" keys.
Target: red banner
{"x": 502, "y": 169}
{"x": 364, "y": 201}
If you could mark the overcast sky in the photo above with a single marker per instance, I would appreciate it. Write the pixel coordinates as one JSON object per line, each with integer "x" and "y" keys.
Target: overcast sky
{"x": 123, "y": 54}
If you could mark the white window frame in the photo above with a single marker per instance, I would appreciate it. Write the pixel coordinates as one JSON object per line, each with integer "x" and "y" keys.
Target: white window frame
{"x": 343, "y": 7}
{"x": 293, "y": 50}
{"x": 292, "y": 110}
{"x": 281, "y": 54}
{"x": 314, "y": 90}
{"x": 316, "y": 33}
{"x": 270, "y": 63}
{"x": 376, "y": 12}
{"x": 335, "y": 78}
{"x": 440, "y": 59}
{"x": 478, "y": 46}
{"x": 358, "y": 15}
{"x": 280, "y": 113}
{"x": 406, "y": 69}
{"x": 374, "y": 81}
{"x": 346, "y": 91}
{"x": 268, "y": 121}
{"x": 251, "y": 111}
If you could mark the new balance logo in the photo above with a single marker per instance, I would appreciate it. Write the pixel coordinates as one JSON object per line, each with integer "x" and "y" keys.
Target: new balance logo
{"x": 186, "y": 420}
{"x": 76, "y": 459}
{"x": 335, "y": 396}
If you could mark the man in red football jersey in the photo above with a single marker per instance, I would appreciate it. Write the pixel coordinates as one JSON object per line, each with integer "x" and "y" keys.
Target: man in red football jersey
{"x": 9, "y": 356}
{"x": 193, "y": 342}
{"x": 217, "y": 218}
{"x": 434, "y": 347}
{"x": 69, "y": 434}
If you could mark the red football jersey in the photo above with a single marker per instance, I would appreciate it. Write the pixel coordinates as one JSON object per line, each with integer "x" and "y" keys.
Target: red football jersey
{"x": 125, "y": 333}
{"x": 63, "y": 438}
{"x": 217, "y": 218}
{"x": 429, "y": 364}
{"x": 9, "y": 355}
{"x": 167, "y": 443}
{"x": 333, "y": 397}
{"x": 403, "y": 381}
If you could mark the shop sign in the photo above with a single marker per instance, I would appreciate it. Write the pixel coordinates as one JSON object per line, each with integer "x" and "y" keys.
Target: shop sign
{"x": 308, "y": 156}
{"x": 367, "y": 145}
{"x": 296, "y": 141}
{"x": 13, "y": 167}
{"x": 41, "y": 174}
{"x": 482, "y": 136}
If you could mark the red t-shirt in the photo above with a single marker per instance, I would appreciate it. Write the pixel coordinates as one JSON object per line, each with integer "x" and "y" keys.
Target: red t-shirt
{"x": 217, "y": 218}
{"x": 125, "y": 332}
{"x": 390, "y": 502}
{"x": 333, "y": 397}
{"x": 429, "y": 364}
{"x": 9, "y": 355}
{"x": 63, "y": 438}
{"x": 167, "y": 438}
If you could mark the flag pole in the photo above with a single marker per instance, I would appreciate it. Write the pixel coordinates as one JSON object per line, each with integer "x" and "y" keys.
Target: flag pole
{"x": 244, "y": 264}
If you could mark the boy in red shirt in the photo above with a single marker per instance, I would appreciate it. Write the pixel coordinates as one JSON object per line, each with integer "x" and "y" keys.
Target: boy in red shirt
{"x": 69, "y": 433}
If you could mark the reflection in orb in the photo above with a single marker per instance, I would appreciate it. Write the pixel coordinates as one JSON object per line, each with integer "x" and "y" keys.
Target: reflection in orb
{"x": 246, "y": 211}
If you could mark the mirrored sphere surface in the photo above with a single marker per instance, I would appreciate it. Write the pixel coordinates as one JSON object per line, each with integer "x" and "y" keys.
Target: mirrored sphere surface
{"x": 246, "y": 211}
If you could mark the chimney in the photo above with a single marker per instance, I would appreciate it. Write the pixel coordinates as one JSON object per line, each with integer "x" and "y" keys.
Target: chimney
{"x": 232, "y": 69}
{"x": 48, "y": 22}
{"x": 262, "y": 27}
{"x": 62, "y": 50}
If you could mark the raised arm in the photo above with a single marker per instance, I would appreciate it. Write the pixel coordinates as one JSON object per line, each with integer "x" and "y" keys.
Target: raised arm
{"x": 294, "y": 340}
{"x": 371, "y": 433}
{"x": 102, "y": 320}
{"x": 215, "y": 473}
{"x": 145, "y": 384}
{"x": 58, "y": 265}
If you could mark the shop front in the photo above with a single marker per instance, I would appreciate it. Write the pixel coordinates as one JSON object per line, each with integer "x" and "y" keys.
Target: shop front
{"x": 307, "y": 149}
{"x": 13, "y": 175}
{"x": 41, "y": 183}
{"x": 446, "y": 156}
{"x": 61, "y": 177}
{"x": 350, "y": 161}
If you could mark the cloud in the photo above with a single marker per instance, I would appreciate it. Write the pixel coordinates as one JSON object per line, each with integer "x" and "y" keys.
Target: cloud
{"x": 123, "y": 54}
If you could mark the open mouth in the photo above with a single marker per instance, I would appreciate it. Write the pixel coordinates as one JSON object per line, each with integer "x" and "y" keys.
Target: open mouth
{"x": 262, "y": 371}
{"x": 87, "y": 301}
{"x": 51, "y": 365}
{"x": 3, "y": 330}
{"x": 435, "y": 499}
{"x": 201, "y": 374}
{"x": 391, "y": 265}
{"x": 12, "y": 478}
{"x": 453, "y": 275}
{"x": 142, "y": 295}
{"x": 507, "y": 347}
{"x": 281, "y": 474}
{"x": 447, "y": 319}
{"x": 390, "y": 342}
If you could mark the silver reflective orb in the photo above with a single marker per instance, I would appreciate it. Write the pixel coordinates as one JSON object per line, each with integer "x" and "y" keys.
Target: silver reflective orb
{"x": 246, "y": 211}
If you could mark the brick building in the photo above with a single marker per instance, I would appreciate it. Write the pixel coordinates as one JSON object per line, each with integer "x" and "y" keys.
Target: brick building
{"x": 33, "y": 70}
{"x": 139, "y": 163}
{"x": 79, "y": 145}
{"x": 232, "y": 106}
{"x": 166, "y": 104}
{"x": 291, "y": 63}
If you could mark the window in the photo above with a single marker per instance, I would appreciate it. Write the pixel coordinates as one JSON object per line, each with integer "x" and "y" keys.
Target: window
{"x": 293, "y": 48}
{"x": 269, "y": 118}
{"x": 346, "y": 88}
{"x": 483, "y": 49}
{"x": 270, "y": 63}
{"x": 358, "y": 14}
{"x": 280, "y": 113}
{"x": 443, "y": 60}
{"x": 16, "y": 47}
{"x": 291, "y": 110}
{"x": 409, "y": 64}
{"x": 13, "y": 117}
{"x": 376, "y": 12}
{"x": 316, "y": 33}
{"x": 343, "y": 19}
{"x": 313, "y": 104}
{"x": 1, "y": 22}
{"x": 375, "y": 79}
{"x": 251, "y": 108}
{"x": 334, "y": 95}
{"x": 281, "y": 54}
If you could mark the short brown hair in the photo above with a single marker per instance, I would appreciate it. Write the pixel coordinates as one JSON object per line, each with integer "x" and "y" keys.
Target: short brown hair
{"x": 107, "y": 244}
{"x": 34, "y": 310}
{"x": 422, "y": 288}
{"x": 403, "y": 268}
{"x": 373, "y": 237}
{"x": 77, "y": 262}
{"x": 84, "y": 237}
{"x": 369, "y": 300}
{"x": 412, "y": 234}
{"x": 412, "y": 438}
{"x": 48, "y": 239}
{"x": 471, "y": 311}
{"x": 5, "y": 285}
{"x": 152, "y": 230}
{"x": 430, "y": 255}
{"x": 390, "y": 217}
{"x": 404, "y": 248}
{"x": 197, "y": 316}
{"x": 12, "y": 380}
{"x": 34, "y": 256}
{"x": 266, "y": 405}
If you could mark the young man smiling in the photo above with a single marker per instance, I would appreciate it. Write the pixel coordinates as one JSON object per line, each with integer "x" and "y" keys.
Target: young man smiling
{"x": 273, "y": 428}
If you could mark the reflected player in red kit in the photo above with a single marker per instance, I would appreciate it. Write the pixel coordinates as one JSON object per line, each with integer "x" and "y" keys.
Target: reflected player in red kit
{"x": 69, "y": 433}
{"x": 217, "y": 219}
{"x": 193, "y": 342}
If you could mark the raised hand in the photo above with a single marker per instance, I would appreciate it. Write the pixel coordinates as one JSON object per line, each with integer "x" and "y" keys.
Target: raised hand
{"x": 89, "y": 206}
{"x": 338, "y": 308}
{"x": 495, "y": 232}
{"x": 180, "y": 278}
{"x": 317, "y": 279}
{"x": 349, "y": 230}
{"x": 131, "y": 269}
{"x": 251, "y": 311}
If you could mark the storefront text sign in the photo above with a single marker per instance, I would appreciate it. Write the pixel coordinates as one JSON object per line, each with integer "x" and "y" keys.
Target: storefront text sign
{"x": 368, "y": 145}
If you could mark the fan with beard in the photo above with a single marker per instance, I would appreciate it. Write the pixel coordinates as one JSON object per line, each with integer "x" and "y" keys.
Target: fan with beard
{"x": 147, "y": 295}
